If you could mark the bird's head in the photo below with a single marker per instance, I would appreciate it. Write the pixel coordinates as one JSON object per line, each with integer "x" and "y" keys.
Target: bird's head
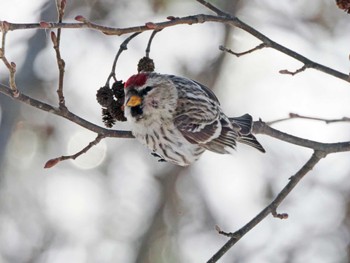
{"x": 148, "y": 93}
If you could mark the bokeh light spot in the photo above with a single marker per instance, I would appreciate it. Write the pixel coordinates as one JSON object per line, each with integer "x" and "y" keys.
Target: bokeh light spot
{"x": 92, "y": 158}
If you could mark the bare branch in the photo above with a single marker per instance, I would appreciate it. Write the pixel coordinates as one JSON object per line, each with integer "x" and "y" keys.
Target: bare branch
{"x": 52, "y": 162}
{"x": 65, "y": 114}
{"x": 297, "y": 116}
{"x": 190, "y": 20}
{"x": 271, "y": 208}
{"x": 261, "y": 127}
{"x": 84, "y": 23}
{"x": 148, "y": 49}
{"x": 56, "y": 40}
{"x": 234, "y": 21}
{"x": 320, "y": 150}
{"x": 261, "y": 46}
{"x": 123, "y": 46}
{"x": 212, "y": 8}
{"x": 61, "y": 66}
{"x": 11, "y": 66}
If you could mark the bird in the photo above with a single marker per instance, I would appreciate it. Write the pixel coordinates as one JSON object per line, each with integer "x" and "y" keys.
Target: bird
{"x": 178, "y": 118}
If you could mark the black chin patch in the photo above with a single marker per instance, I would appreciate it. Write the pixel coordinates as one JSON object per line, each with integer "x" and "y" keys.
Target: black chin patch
{"x": 136, "y": 111}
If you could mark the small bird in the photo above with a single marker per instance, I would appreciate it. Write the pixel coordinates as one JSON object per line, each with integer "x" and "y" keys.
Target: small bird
{"x": 178, "y": 118}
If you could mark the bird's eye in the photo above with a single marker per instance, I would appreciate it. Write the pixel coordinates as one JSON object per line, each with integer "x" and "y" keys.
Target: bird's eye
{"x": 145, "y": 90}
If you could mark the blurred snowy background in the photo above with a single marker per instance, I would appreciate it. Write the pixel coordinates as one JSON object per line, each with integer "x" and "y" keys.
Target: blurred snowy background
{"x": 116, "y": 203}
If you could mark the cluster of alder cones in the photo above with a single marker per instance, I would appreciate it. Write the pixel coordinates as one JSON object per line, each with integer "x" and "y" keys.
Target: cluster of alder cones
{"x": 112, "y": 99}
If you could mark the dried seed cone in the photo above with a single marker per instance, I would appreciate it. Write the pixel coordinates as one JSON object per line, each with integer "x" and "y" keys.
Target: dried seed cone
{"x": 104, "y": 96}
{"x": 107, "y": 118}
{"x": 146, "y": 65}
{"x": 118, "y": 90}
{"x": 115, "y": 110}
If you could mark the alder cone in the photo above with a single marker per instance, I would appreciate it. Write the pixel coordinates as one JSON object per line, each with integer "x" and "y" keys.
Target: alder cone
{"x": 146, "y": 65}
{"x": 104, "y": 96}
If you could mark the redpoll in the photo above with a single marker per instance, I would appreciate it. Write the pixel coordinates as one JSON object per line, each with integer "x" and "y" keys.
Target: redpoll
{"x": 178, "y": 118}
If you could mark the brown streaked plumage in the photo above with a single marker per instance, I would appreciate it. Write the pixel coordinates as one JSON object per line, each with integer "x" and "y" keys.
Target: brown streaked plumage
{"x": 178, "y": 119}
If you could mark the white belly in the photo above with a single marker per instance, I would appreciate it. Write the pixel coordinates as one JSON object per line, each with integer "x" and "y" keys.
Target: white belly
{"x": 168, "y": 143}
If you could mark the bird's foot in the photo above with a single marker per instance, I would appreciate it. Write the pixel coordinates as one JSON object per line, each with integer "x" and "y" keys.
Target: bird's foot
{"x": 160, "y": 158}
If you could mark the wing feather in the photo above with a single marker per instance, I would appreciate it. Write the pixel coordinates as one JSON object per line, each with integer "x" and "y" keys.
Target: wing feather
{"x": 226, "y": 140}
{"x": 199, "y": 118}
{"x": 197, "y": 112}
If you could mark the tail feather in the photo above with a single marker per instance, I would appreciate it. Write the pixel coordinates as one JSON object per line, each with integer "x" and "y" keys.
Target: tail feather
{"x": 245, "y": 122}
{"x": 251, "y": 141}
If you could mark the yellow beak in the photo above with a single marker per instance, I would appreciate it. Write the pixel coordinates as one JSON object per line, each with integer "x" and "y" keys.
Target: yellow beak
{"x": 134, "y": 100}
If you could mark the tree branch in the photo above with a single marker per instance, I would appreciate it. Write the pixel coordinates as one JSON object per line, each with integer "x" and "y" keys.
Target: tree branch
{"x": 261, "y": 46}
{"x": 52, "y": 162}
{"x": 234, "y": 21}
{"x": 56, "y": 40}
{"x": 65, "y": 114}
{"x": 261, "y": 127}
{"x": 148, "y": 49}
{"x": 213, "y": 8}
{"x": 11, "y": 66}
{"x": 270, "y": 209}
{"x": 321, "y": 150}
{"x": 222, "y": 17}
{"x": 84, "y": 23}
{"x": 123, "y": 46}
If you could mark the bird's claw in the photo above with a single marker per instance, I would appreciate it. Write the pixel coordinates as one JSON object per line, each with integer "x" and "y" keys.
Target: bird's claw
{"x": 161, "y": 159}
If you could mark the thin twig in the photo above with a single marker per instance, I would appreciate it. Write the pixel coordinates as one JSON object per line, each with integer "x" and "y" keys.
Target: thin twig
{"x": 123, "y": 46}
{"x": 56, "y": 40}
{"x": 83, "y": 23}
{"x": 52, "y": 162}
{"x": 297, "y": 116}
{"x": 286, "y": 71}
{"x": 212, "y": 8}
{"x": 271, "y": 208}
{"x": 261, "y": 46}
{"x": 148, "y": 49}
{"x": 11, "y": 66}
